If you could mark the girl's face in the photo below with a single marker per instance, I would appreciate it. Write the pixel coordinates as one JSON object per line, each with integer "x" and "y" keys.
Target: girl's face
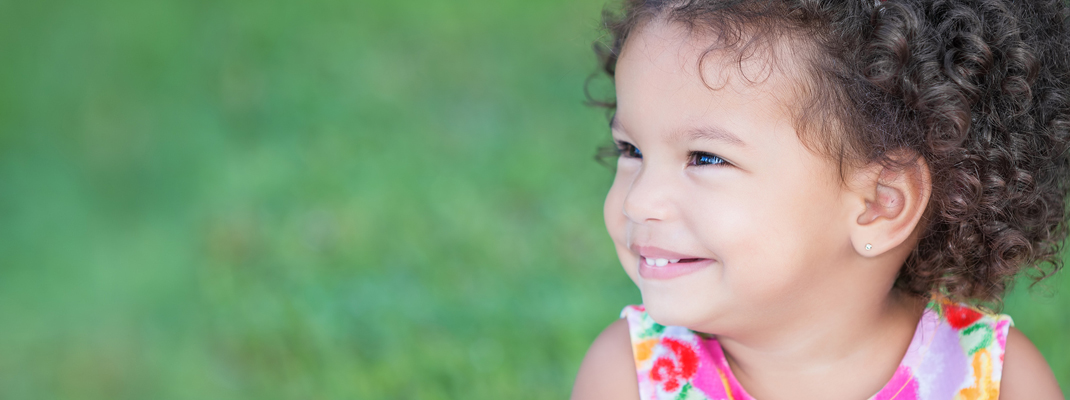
{"x": 719, "y": 180}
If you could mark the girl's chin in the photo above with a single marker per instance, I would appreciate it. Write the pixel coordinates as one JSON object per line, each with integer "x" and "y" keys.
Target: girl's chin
{"x": 670, "y": 310}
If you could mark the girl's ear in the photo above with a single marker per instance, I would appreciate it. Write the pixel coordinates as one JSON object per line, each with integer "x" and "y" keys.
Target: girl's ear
{"x": 892, "y": 202}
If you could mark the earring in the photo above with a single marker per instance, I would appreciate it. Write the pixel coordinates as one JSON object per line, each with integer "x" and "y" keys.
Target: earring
{"x": 869, "y": 246}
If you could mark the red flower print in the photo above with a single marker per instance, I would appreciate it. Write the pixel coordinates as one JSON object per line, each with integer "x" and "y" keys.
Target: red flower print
{"x": 960, "y": 317}
{"x": 681, "y": 365}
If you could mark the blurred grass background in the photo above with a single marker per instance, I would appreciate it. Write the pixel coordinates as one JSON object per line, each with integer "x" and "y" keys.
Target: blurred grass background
{"x": 312, "y": 200}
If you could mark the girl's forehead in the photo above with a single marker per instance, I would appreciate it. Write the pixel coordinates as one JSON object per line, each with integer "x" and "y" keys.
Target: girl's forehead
{"x": 668, "y": 75}
{"x": 680, "y": 49}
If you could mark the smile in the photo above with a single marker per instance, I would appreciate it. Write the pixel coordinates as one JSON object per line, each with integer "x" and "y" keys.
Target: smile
{"x": 662, "y": 269}
{"x": 661, "y": 262}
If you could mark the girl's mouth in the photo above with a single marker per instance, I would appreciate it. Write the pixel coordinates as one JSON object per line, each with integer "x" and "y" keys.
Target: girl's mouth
{"x": 664, "y": 268}
{"x": 661, "y": 262}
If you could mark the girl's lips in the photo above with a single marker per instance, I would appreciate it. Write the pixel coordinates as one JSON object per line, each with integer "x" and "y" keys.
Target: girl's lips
{"x": 657, "y": 252}
{"x": 671, "y": 270}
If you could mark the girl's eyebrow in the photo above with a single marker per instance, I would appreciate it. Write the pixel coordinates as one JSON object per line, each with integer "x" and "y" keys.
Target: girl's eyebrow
{"x": 711, "y": 133}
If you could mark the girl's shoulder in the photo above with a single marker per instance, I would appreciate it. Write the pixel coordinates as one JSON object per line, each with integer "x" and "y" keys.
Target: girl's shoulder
{"x": 607, "y": 372}
{"x": 957, "y": 350}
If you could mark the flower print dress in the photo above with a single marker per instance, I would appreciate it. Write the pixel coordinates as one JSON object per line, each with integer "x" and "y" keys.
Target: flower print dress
{"x": 956, "y": 354}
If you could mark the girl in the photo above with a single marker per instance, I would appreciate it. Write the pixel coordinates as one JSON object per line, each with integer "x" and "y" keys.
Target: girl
{"x": 811, "y": 193}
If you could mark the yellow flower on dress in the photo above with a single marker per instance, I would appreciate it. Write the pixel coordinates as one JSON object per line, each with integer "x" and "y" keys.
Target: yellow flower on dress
{"x": 983, "y": 387}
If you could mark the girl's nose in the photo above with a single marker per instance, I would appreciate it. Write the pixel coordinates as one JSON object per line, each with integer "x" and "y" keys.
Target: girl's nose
{"x": 649, "y": 197}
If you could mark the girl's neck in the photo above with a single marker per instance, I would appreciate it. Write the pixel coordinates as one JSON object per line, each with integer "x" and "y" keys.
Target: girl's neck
{"x": 853, "y": 346}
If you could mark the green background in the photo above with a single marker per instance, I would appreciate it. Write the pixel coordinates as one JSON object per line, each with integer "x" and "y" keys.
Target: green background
{"x": 312, "y": 200}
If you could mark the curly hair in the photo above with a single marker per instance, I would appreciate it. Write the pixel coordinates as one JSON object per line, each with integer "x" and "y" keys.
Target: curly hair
{"x": 980, "y": 89}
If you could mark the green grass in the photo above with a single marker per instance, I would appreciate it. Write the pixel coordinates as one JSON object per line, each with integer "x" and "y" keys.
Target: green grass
{"x": 315, "y": 200}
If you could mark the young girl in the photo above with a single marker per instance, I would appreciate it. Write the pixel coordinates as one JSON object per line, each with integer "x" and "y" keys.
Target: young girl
{"x": 813, "y": 196}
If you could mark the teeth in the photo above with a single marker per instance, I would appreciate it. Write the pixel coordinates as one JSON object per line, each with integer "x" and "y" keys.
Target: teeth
{"x": 660, "y": 262}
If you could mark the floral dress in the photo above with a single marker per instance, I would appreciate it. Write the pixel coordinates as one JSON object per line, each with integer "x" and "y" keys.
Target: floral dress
{"x": 956, "y": 354}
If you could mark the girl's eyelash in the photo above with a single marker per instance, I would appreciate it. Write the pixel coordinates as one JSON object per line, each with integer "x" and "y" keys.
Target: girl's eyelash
{"x": 701, "y": 158}
{"x": 698, "y": 158}
{"x": 625, "y": 149}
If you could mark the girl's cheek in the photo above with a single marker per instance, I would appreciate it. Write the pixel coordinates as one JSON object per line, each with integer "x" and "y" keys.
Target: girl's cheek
{"x": 614, "y": 206}
{"x": 614, "y": 209}
{"x": 617, "y": 223}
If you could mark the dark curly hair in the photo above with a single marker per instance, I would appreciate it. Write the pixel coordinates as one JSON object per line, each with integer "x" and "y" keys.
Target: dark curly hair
{"x": 980, "y": 89}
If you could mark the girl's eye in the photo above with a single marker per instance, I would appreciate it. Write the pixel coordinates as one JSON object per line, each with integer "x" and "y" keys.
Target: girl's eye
{"x": 701, "y": 158}
{"x": 628, "y": 150}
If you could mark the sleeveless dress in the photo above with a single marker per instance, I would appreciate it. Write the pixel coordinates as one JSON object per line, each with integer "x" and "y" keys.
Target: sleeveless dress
{"x": 956, "y": 354}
